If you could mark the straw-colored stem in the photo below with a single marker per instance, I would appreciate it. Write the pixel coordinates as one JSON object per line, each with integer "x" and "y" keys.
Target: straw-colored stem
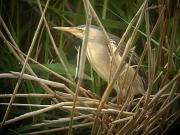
{"x": 24, "y": 66}
{"x": 82, "y": 60}
{"x": 54, "y": 45}
{"x": 115, "y": 77}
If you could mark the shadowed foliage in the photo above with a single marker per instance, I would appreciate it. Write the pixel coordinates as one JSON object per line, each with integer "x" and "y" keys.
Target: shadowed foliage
{"x": 50, "y": 76}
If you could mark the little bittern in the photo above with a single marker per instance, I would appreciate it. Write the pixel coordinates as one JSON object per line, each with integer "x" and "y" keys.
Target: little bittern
{"x": 99, "y": 57}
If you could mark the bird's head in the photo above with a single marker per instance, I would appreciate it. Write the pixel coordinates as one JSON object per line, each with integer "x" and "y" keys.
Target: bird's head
{"x": 94, "y": 33}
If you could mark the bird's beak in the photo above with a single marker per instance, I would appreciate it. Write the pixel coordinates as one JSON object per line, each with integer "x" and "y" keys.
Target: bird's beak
{"x": 72, "y": 30}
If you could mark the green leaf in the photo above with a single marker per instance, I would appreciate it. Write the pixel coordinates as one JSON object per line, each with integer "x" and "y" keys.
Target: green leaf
{"x": 58, "y": 68}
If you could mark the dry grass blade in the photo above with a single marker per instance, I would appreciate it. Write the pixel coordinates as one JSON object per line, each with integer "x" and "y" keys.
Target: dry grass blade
{"x": 59, "y": 129}
{"x": 29, "y": 77}
{"x": 82, "y": 60}
{"x": 116, "y": 75}
{"x": 54, "y": 45}
{"x": 28, "y": 95}
{"x": 30, "y": 114}
{"x": 24, "y": 66}
{"x": 38, "y": 93}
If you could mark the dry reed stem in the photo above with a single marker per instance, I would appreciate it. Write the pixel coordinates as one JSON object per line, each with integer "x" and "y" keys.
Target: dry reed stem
{"x": 21, "y": 59}
{"x": 62, "y": 120}
{"x": 116, "y": 75}
{"x": 54, "y": 44}
{"x": 29, "y": 77}
{"x": 82, "y": 60}
{"x": 24, "y": 66}
{"x": 133, "y": 117}
{"x": 59, "y": 129}
{"x": 40, "y": 111}
{"x": 84, "y": 91}
{"x": 30, "y": 95}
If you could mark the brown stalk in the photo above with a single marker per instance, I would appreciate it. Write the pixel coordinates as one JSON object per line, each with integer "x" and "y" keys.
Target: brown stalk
{"x": 24, "y": 66}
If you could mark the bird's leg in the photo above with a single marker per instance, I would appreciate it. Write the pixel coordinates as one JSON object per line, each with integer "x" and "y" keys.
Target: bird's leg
{"x": 120, "y": 93}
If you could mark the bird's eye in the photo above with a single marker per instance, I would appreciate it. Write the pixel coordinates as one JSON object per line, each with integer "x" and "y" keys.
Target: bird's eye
{"x": 80, "y": 30}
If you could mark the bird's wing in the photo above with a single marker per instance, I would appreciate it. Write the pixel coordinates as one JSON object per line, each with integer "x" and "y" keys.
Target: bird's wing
{"x": 131, "y": 53}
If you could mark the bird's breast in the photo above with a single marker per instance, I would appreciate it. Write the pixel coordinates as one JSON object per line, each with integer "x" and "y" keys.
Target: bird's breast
{"x": 98, "y": 57}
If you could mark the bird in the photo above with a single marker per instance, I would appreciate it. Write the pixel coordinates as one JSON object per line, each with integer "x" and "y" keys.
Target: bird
{"x": 100, "y": 59}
